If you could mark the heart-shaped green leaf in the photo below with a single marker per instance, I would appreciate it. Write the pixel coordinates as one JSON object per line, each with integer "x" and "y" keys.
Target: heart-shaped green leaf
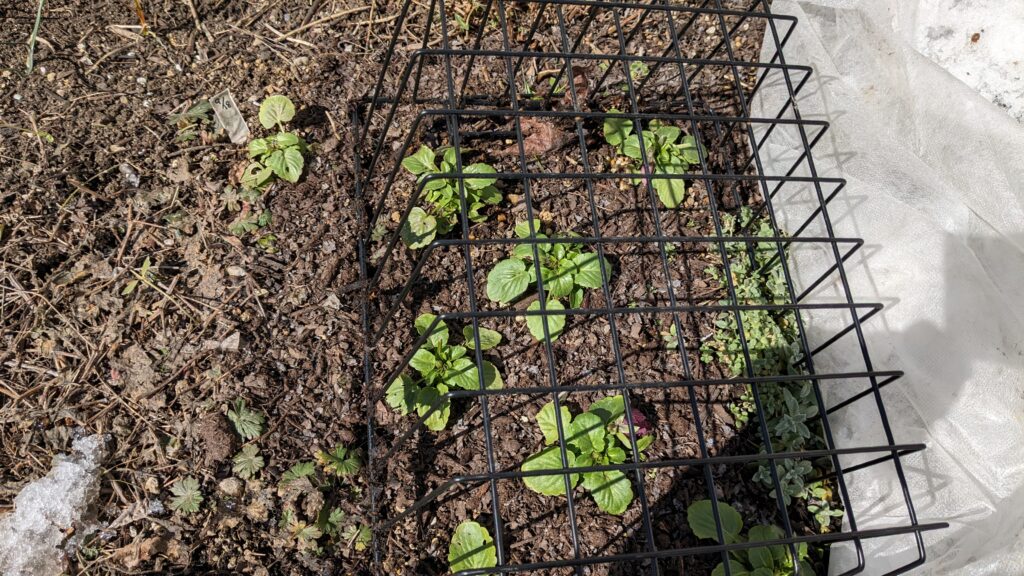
{"x": 420, "y": 162}
{"x": 419, "y": 228}
{"x": 549, "y": 459}
{"x": 471, "y": 547}
{"x": 439, "y": 336}
{"x": 701, "y": 518}
{"x": 507, "y": 280}
{"x": 276, "y": 110}
{"x": 555, "y": 322}
{"x": 401, "y": 395}
{"x": 549, "y": 425}
{"x": 611, "y": 490}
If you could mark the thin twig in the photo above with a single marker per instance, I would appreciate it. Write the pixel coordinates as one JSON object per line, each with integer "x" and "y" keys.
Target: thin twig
{"x": 325, "y": 19}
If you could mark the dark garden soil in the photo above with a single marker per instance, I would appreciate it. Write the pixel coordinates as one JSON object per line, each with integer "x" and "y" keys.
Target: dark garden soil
{"x": 94, "y": 181}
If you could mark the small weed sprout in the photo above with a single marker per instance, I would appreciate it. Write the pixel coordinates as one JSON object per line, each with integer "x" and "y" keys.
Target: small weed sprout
{"x": 441, "y": 366}
{"x": 247, "y": 462}
{"x": 788, "y": 408}
{"x": 248, "y": 423}
{"x": 318, "y": 525}
{"x": 670, "y": 338}
{"x": 774, "y": 560}
{"x": 441, "y": 195}
{"x": 198, "y": 117}
{"x": 566, "y": 269}
{"x": 186, "y": 496}
{"x": 357, "y": 536}
{"x": 145, "y": 275}
{"x": 471, "y": 547}
{"x": 667, "y": 150}
{"x": 341, "y": 461}
{"x": 597, "y": 437}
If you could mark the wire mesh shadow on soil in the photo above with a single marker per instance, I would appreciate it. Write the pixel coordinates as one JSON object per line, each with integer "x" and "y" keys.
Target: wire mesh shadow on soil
{"x": 583, "y": 323}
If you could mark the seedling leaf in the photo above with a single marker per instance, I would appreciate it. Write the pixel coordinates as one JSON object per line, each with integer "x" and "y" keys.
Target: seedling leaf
{"x": 419, "y": 229}
{"x": 276, "y": 110}
{"x": 488, "y": 338}
{"x": 186, "y": 496}
{"x": 700, "y": 516}
{"x": 340, "y": 461}
{"x": 549, "y": 459}
{"x": 507, "y": 280}
{"x": 471, "y": 547}
{"x": 611, "y": 490}
{"x": 248, "y": 424}
{"x": 247, "y": 462}
{"x": 548, "y": 424}
{"x": 556, "y": 322}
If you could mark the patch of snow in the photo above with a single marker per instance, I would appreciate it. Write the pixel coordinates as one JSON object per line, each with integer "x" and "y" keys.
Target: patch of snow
{"x": 32, "y": 537}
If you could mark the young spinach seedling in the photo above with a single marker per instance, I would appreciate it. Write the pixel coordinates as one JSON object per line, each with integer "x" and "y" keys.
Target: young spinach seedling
{"x": 597, "y": 437}
{"x": 668, "y": 152}
{"x": 774, "y": 560}
{"x": 277, "y": 155}
{"x": 566, "y": 269}
{"x": 439, "y": 367}
{"x": 441, "y": 195}
{"x": 471, "y": 547}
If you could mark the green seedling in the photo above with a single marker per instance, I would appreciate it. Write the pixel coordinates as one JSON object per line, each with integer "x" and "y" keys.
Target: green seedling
{"x": 597, "y": 437}
{"x": 773, "y": 346}
{"x": 187, "y": 497}
{"x": 667, "y": 151}
{"x": 440, "y": 366}
{"x": 773, "y": 560}
{"x": 325, "y": 528}
{"x": 441, "y": 195}
{"x": 297, "y": 472}
{"x": 471, "y": 547}
{"x": 566, "y": 270}
{"x": 247, "y": 462}
{"x": 357, "y": 536}
{"x": 638, "y": 70}
{"x": 248, "y": 423}
{"x": 670, "y": 338}
{"x": 819, "y": 503}
{"x": 145, "y": 275}
{"x": 191, "y": 121}
{"x": 279, "y": 155}
{"x": 251, "y": 218}
{"x": 340, "y": 461}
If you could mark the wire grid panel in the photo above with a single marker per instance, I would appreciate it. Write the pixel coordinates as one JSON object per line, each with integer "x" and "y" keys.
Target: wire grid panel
{"x": 495, "y": 81}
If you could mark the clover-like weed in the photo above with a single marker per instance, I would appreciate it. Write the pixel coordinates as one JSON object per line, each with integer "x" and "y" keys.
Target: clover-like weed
{"x": 667, "y": 151}
{"x": 440, "y": 366}
{"x": 441, "y": 207}
{"x": 597, "y": 437}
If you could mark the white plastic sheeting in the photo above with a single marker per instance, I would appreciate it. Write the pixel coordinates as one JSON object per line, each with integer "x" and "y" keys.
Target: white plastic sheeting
{"x": 935, "y": 175}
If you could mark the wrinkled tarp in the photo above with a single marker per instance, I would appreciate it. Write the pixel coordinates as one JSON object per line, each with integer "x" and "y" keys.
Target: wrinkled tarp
{"x": 935, "y": 175}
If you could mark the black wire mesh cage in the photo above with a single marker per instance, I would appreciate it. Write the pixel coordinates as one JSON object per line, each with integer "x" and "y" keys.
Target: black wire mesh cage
{"x": 590, "y": 300}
